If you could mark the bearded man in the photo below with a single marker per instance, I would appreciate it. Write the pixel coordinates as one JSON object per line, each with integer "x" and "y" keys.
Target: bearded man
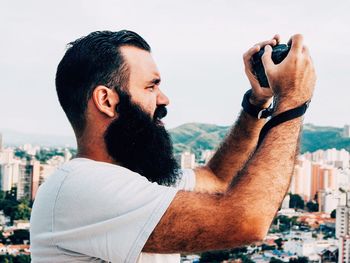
{"x": 124, "y": 198}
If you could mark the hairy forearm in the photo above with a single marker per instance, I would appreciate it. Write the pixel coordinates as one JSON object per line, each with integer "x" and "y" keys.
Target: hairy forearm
{"x": 265, "y": 179}
{"x": 236, "y": 148}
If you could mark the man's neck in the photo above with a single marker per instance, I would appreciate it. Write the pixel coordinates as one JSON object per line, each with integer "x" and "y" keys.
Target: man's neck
{"x": 95, "y": 157}
{"x": 93, "y": 149}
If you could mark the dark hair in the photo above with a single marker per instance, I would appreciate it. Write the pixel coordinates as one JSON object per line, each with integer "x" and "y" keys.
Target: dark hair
{"x": 91, "y": 61}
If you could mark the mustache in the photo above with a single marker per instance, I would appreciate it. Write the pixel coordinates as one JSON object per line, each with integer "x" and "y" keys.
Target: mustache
{"x": 160, "y": 112}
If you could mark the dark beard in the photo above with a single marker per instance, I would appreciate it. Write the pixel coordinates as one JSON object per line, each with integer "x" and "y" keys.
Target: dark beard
{"x": 141, "y": 144}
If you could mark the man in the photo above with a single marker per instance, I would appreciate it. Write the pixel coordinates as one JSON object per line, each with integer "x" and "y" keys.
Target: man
{"x": 123, "y": 199}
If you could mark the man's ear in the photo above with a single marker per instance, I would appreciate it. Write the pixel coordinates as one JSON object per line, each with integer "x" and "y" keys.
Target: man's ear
{"x": 105, "y": 100}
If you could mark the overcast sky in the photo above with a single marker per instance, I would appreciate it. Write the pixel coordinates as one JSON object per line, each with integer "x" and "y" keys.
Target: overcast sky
{"x": 198, "y": 46}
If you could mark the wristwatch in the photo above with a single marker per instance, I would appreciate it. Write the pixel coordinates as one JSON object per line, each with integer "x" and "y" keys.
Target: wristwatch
{"x": 255, "y": 111}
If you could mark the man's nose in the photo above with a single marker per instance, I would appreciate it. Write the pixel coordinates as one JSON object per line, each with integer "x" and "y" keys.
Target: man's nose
{"x": 162, "y": 99}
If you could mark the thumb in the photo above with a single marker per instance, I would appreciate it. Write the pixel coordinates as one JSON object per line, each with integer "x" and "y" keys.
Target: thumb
{"x": 266, "y": 58}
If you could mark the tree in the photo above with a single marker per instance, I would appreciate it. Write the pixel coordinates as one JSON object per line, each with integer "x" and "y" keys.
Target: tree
{"x": 299, "y": 260}
{"x": 245, "y": 259}
{"x": 2, "y": 238}
{"x": 214, "y": 256}
{"x": 8, "y": 207}
{"x": 275, "y": 260}
{"x": 8, "y": 202}
{"x": 238, "y": 250}
{"x": 19, "y": 236}
{"x": 22, "y": 210}
{"x": 22, "y": 259}
{"x": 265, "y": 247}
{"x": 15, "y": 259}
{"x": 312, "y": 206}
{"x": 334, "y": 213}
{"x": 279, "y": 243}
{"x": 6, "y": 258}
{"x": 296, "y": 201}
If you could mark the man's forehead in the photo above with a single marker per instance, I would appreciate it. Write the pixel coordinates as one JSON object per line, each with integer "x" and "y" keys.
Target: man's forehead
{"x": 140, "y": 62}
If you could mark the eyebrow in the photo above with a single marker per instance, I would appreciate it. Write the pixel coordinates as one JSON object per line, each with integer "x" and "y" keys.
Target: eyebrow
{"x": 155, "y": 81}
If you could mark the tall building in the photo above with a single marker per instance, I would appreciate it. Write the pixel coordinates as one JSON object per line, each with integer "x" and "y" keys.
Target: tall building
{"x": 343, "y": 178}
{"x": 327, "y": 200}
{"x": 207, "y": 155}
{"x": 343, "y": 160}
{"x": 346, "y": 131}
{"x": 9, "y": 175}
{"x": 28, "y": 181}
{"x": 301, "y": 180}
{"x": 285, "y": 202}
{"x": 188, "y": 160}
{"x": 344, "y": 246}
{"x": 343, "y": 228}
{"x": 323, "y": 177}
{"x": 337, "y": 158}
{"x": 9, "y": 170}
{"x": 6, "y": 155}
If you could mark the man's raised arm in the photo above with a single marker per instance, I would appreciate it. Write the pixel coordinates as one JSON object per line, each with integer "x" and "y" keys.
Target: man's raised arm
{"x": 243, "y": 214}
{"x": 240, "y": 142}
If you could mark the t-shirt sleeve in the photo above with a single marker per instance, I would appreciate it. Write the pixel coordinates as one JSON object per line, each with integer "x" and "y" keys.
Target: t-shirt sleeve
{"x": 109, "y": 216}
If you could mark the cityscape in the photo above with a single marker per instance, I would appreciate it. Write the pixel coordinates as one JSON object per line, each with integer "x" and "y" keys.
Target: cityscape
{"x": 198, "y": 48}
{"x": 312, "y": 224}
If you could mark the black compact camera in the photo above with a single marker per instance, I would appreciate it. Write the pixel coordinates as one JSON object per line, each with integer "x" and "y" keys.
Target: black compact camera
{"x": 279, "y": 52}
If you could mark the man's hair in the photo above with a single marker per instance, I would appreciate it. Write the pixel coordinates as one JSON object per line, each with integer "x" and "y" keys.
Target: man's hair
{"x": 91, "y": 61}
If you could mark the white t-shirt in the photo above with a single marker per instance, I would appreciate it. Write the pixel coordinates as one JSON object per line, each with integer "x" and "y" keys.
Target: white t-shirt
{"x": 89, "y": 211}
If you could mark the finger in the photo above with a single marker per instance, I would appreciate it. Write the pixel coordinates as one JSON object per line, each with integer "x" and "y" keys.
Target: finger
{"x": 278, "y": 38}
{"x": 247, "y": 56}
{"x": 306, "y": 50}
{"x": 266, "y": 58}
{"x": 256, "y": 48}
{"x": 271, "y": 42}
{"x": 251, "y": 51}
{"x": 297, "y": 43}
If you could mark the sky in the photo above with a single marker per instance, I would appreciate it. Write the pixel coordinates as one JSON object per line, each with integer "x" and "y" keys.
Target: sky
{"x": 197, "y": 45}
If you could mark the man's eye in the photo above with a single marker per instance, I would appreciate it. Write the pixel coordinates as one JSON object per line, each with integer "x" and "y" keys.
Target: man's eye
{"x": 151, "y": 88}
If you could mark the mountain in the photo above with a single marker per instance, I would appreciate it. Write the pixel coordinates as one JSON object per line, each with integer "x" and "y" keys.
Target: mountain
{"x": 15, "y": 138}
{"x": 197, "y": 136}
{"x": 317, "y": 137}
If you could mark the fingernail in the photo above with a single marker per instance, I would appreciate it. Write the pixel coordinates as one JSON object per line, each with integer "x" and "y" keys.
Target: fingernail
{"x": 267, "y": 48}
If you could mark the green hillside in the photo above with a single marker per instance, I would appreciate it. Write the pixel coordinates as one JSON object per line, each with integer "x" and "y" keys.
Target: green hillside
{"x": 316, "y": 137}
{"x": 198, "y": 136}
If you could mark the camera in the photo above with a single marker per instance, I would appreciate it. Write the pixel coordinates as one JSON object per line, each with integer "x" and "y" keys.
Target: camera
{"x": 279, "y": 52}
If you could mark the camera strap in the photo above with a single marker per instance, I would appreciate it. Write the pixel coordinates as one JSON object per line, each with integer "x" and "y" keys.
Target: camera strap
{"x": 282, "y": 117}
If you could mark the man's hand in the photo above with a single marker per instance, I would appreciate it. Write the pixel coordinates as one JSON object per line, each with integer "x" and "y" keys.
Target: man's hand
{"x": 261, "y": 96}
{"x": 241, "y": 141}
{"x": 293, "y": 80}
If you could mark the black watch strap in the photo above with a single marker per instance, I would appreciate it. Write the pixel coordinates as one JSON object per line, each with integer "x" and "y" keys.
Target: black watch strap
{"x": 282, "y": 117}
{"x": 255, "y": 111}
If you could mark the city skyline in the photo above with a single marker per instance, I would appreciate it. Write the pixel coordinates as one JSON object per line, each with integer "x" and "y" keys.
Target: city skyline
{"x": 312, "y": 221}
{"x": 197, "y": 45}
